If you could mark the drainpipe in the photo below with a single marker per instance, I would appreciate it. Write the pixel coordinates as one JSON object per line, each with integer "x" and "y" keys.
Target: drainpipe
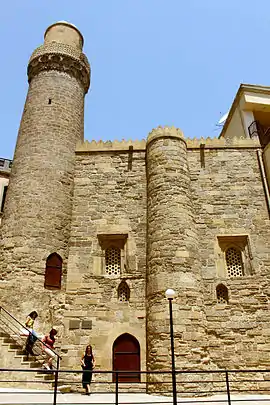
{"x": 265, "y": 182}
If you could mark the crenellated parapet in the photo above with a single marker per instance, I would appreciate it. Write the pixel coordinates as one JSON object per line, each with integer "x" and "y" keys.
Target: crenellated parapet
{"x": 99, "y": 146}
{"x": 216, "y": 143}
{"x": 162, "y": 132}
{"x": 168, "y": 132}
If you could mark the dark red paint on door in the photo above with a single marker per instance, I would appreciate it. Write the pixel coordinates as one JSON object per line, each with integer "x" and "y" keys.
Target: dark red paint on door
{"x": 126, "y": 357}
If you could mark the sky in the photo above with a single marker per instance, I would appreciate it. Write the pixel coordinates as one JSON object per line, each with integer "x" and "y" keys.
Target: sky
{"x": 154, "y": 62}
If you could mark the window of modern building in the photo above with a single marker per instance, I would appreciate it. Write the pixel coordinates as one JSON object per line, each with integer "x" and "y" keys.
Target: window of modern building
{"x": 53, "y": 271}
{"x": 4, "y": 197}
{"x": 222, "y": 294}
{"x": 234, "y": 262}
{"x": 123, "y": 292}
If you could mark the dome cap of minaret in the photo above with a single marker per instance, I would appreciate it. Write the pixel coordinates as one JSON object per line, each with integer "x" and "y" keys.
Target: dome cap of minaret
{"x": 64, "y": 33}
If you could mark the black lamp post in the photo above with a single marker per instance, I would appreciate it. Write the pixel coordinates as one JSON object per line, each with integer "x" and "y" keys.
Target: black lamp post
{"x": 170, "y": 294}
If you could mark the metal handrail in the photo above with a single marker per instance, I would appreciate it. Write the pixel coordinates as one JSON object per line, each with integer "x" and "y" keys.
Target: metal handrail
{"x": 24, "y": 327}
{"x": 225, "y": 390}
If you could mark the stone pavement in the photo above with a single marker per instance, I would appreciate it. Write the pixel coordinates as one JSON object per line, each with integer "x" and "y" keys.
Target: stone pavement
{"x": 19, "y": 396}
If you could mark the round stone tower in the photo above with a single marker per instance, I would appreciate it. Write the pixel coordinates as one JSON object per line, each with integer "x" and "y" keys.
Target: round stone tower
{"x": 172, "y": 249}
{"x": 37, "y": 215}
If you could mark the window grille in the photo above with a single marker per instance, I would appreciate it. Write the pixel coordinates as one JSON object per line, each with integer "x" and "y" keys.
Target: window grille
{"x": 123, "y": 292}
{"x": 222, "y": 294}
{"x": 234, "y": 262}
{"x": 113, "y": 261}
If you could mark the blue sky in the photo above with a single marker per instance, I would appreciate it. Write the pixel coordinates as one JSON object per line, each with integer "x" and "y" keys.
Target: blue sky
{"x": 154, "y": 62}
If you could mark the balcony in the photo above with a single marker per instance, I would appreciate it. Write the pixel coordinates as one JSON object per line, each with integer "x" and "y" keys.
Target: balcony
{"x": 256, "y": 129}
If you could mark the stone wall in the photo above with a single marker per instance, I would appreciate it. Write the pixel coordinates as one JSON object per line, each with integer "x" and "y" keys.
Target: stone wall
{"x": 226, "y": 203}
{"x": 36, "y": 220}
{"x": 230, "y": 206}
{"x": 172, "y": 253}
{"x": 109, "y": 202}
{"x": 223, "y": 201}
{"x": 39, "y": 198}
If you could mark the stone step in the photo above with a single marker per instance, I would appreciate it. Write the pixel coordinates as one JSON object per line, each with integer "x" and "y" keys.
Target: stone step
{"x": 29, "y": 358}
{"x": 31, "y": 364}
{"x": 8, "y": 340}
{"x": 20, "y": 352}
{"x": 14, "y": 346}
{"x": 45, "y": 377}
{"x": 6, "y": 343}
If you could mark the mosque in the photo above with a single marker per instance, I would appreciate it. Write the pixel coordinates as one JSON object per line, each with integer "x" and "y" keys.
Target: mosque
{"x": 93, "y": 233}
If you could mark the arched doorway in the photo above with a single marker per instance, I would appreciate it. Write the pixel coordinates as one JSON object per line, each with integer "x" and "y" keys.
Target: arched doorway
{"x": 126, "y": 357}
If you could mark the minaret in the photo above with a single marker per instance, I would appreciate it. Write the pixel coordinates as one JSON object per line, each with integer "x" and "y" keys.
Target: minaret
{"x": 172, "y": 253}
{"x": 37, "y": 215}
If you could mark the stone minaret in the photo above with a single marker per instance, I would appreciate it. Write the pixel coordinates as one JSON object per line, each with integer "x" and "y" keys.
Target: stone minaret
{"x": 38, "y": 207}
{"x": 172, "y": 250}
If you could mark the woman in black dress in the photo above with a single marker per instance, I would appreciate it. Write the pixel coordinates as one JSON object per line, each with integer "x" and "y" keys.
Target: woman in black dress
{"x": 88, "y": 364}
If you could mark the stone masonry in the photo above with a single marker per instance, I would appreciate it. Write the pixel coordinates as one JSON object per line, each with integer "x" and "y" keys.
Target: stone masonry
{"x": 172, "y": 246}
{"x": 131, "y": 219}
{"x": 37, "y": 215}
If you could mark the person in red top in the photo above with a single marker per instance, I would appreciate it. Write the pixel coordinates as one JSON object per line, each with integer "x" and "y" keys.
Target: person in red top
{"x": 49, "y": 341}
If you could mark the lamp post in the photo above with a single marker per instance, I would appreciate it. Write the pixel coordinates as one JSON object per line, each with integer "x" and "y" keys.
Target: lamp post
{"x": 170, "y": 294}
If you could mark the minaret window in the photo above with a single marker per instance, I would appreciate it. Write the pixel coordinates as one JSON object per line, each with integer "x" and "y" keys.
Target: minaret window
{"x": 53, "y": 271}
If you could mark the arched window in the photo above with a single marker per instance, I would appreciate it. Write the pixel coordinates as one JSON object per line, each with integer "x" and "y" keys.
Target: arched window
{"x": 222, "y": 294}
{"x": 123, "y": 292}
{"x": 113, "y": 261}
{"x": 234, "y": 262}
{"x": 53, "y": 272}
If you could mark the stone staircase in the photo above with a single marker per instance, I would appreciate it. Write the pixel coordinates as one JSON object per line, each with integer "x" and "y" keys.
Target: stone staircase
{"x": 12, "y": 355}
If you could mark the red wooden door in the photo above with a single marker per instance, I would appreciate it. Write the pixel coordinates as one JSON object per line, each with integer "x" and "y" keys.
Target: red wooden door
{"x": 126, "y": 357}
{"x": 53, "y": 272}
